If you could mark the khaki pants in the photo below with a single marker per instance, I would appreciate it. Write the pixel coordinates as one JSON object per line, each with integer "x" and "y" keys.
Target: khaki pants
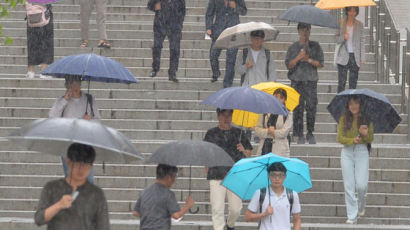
{"x": 217, "y": 197}
{"x": 86, "y": 6}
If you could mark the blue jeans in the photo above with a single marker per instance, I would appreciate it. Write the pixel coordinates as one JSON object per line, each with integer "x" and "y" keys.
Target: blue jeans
{"x": 355, "y": 170}
{"x": 90, "y": 176}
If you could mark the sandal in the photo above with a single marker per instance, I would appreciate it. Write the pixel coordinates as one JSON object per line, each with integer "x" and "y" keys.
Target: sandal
{"x": 104, "y": 44}
{"x": 84, "y": 44}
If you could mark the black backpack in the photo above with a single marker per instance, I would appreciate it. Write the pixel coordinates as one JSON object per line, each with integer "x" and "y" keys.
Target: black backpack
{"x": 289, "y": 195}
{"x": 245, "y": 55}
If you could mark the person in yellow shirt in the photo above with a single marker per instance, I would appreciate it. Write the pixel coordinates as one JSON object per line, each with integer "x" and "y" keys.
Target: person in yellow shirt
{"x": 355, "y": 132}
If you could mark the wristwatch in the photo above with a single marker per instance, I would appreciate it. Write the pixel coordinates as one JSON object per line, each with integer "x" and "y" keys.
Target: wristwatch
{"x": 310, "y": 60}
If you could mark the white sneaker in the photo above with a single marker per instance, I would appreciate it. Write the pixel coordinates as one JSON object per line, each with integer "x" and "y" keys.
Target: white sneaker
{"x": 30, "y": 75}
{"x": 45, "y": 76}
{"x": 349, "y": 221}
{"x": 361, "y": 213}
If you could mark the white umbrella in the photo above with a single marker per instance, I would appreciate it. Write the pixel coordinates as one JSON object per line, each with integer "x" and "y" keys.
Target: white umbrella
{"x": 240, "y": 35}
{"x": 55, "y": 135}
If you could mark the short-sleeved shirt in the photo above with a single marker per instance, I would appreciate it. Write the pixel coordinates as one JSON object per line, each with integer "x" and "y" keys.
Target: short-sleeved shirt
{"x": 88, "y": 212}
{"x": 156, "y": 204}
{"x": 227, "y": 140}
{"x": 304, "y": 71}
{"x": 281, "y": 209}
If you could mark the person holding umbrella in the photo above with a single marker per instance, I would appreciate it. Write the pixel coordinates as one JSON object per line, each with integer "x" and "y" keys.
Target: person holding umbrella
{"x": 273, "y": 129}
{"x": 303, "y": 58}
{"x": 355, "y": 132}
{"x": 157, "y": 204}
{"x": 351, "y": 53}
{"x": 226, "y": 14}
{"x": 75, "y": 104}
{"x": 73, "y": 202}
{"x": 237, "y": 146}
{"x": 273, "y": 209}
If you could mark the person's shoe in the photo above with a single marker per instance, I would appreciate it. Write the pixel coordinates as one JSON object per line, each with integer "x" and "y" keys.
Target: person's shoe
{"x": 173, "y": 78}
{"x": 153, "y": 73}
{"x": 301, "y": 140}
{"x": 229, "y": 228}
{"x": 30, "y": 75}
{"x": 349, "y": 221}
{"x": 214, "y": 79}
{"x": 361, "y": 213}
{"x": 310, "y": 138}
{"x": 45, "y": 76}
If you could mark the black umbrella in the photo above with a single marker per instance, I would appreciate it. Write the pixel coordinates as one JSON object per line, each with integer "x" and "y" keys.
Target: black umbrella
{"x": 191, "y": 152}
{"x": 310, "y": 15}
{"x": 376, "y": 106}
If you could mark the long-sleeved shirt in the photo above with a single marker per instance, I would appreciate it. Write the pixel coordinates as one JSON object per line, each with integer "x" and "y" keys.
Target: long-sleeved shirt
{"x": 257, "y": 73}
{"x": 74, "y": 108}
{"x": 88, "y": 212}
{"x": 172, "y": 13}
{"x": 347, "y": 138}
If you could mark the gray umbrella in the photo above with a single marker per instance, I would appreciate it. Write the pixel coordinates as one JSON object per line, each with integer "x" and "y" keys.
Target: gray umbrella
{"x": 191, "y": 152}
{"x": 310, "y": 15}
{"x": 55, "y": 135}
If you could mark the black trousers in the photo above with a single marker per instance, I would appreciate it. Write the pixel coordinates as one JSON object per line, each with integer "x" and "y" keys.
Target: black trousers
{"x": 353, "y": 74}
{"x": 308, "y": 100}
{"x": 174, "y": 38}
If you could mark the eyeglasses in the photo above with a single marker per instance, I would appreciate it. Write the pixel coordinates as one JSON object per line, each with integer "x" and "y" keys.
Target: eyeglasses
{"x": 277, "y": 175}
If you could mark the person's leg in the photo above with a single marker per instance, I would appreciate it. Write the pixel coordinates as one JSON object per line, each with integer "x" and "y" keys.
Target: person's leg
{"x": 311, "y": 104}
{"x": 361, "y": 172}
{"x": 217, "y": 200}
{"x": 101, "y": 8}
{"x": 213, "y": 58}
{"x": 353, "y": 72}
{"x": 348, "y": 172}
{"x": 298, "y": 111}
{"x": 234, "y": 208}
{"x": 230, "y": 67}
{"x": 159, "y": 37}
{"x": 174, "y": 38}
{"x": 341, "y": 74}
{"x": 85, "y": 12}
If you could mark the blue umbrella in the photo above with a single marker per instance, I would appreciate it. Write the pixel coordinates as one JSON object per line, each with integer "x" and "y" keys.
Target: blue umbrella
{"x": 247, "y": 99}
{"x": 250, "y": 174}
{"x": 376, "y": 106}
{"x": 310, "y": 15}
{"x": 91, "y": 67}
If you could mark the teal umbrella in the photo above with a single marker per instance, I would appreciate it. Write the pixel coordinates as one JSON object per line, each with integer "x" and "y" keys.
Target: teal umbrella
{"x": 251, "y": 174}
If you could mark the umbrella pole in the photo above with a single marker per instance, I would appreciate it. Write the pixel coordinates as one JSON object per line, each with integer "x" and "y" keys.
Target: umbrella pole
{"x": 189, "y": 192}
{"x": 88, "y": 91}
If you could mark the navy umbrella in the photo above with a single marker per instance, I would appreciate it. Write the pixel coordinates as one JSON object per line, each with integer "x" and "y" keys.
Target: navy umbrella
{"x": 91, "y": 67}
{"x": 247, "y": 99}
{"x": 310, "y": 15}
{"x": 376, "y": 106}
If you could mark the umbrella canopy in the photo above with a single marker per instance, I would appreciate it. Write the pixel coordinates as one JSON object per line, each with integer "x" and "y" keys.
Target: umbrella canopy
{"x": 55, "y": 135}
{"x": 251, "y": 174}
{"x": 42, "y": 2}
{"x": 240, "y": 35}
{"x": 246, "y": 98}
{"x": 191, "y": 152}
{"x": 91, "y": 67}
{"x": 376, "y": 106}
{"x": 249, "y": 119}
{"x": 310, "y": 15}
{"x": 339, "y": 4}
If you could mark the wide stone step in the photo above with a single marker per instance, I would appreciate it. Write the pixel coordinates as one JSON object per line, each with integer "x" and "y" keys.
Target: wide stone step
{"x": 158, "y": 87}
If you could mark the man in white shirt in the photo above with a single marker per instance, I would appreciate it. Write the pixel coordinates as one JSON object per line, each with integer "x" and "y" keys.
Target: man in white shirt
{"x": 274, "y": 213}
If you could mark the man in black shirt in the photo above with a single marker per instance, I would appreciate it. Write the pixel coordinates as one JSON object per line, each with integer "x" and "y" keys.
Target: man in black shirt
{"x": 237, "y": 146}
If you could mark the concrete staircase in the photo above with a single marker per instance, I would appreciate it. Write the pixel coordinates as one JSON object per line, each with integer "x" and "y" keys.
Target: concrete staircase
{"x": 156, "y": 111}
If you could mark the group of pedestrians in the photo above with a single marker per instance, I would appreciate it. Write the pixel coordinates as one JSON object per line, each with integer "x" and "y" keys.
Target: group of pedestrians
{"x": 157, "y": 205}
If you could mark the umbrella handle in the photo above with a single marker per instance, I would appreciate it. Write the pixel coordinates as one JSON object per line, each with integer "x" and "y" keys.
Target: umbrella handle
{"x": 193, "y": 212}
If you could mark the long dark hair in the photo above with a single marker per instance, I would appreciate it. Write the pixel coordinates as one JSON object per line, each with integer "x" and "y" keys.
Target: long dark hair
{"x": 348, "y": 116}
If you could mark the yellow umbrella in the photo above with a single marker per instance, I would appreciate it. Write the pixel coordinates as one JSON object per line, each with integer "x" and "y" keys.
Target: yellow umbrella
{"x": 249, "y": 120}
{"x": 339, "y": 4}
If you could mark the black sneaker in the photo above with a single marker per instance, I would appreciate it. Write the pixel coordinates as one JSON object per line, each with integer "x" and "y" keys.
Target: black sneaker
{"x": 214, "y": 79}
{"x": 153, "y": 73}
{"x": 173, "y": 78}
{"x": 310, "y": 138}
{"x": 229, "y": 228}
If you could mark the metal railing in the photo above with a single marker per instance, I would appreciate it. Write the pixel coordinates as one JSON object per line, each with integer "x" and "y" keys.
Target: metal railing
{"x": 385, "y": 42}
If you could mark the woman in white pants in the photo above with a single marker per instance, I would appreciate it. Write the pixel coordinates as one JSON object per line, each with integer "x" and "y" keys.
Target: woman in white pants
{"x": 355, "y": 132}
